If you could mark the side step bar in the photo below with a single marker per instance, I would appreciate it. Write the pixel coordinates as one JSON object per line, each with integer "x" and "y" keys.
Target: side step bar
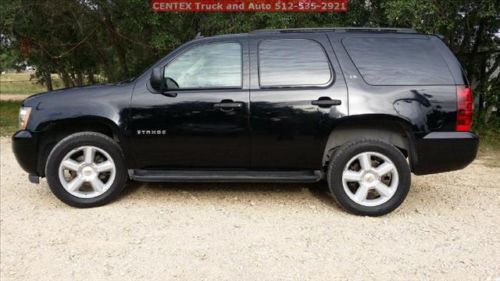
{"x": 224, "y": 176}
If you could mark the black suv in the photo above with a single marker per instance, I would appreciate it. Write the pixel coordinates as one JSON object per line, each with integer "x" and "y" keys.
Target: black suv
{"x": 361, "y": 108}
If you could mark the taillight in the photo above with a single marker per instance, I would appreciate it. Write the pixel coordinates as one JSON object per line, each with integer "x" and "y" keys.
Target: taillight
{"x": 465, "y": 108}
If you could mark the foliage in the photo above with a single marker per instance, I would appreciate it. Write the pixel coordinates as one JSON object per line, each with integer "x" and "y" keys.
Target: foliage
{"x": 9, "y": 112}
{"x": 489, "y": 132}
{"x": 8, "y": 58}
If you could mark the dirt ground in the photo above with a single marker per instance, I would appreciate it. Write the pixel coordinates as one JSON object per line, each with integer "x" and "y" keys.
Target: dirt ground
{"x": 448, "y": 228}
{"x": 14, "y": 97}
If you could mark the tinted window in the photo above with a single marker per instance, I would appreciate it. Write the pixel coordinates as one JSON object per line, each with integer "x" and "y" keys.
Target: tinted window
{"x": 384, "y": 61}
{"x": 292, "y": 62}
{"x": 216, "y": 65}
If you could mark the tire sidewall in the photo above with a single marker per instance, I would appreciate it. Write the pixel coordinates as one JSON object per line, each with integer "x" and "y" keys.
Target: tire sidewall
{"x": 82, "y": 139}
{"x": 342, "y": 157}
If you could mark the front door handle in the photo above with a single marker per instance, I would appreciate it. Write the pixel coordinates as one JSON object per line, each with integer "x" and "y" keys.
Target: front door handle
{"x": 326, "y": 102}
{"x": 228, "y": 105}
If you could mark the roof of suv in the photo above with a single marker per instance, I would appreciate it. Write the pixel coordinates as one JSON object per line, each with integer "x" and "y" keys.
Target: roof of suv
{"x": 315, "y": 30}
{"x": 337, "y": 29}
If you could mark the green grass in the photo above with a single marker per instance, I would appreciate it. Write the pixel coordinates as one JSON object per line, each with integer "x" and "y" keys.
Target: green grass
{"x": 491, "y": 135}
{"x": 489, "y": 132}
{"x": 9, "y": 114}
{"x": 489, "y": 148}
{"x": 21, "y": 83}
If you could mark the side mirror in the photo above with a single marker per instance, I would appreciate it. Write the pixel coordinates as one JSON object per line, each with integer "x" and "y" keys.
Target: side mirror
{"x": 171, "y": 84}
{"x": 157, "y": 79}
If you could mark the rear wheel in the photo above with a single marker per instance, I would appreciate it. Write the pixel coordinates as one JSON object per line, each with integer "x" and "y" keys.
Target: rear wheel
{"x": 86, "y": 170}
{"x": 369, "y": 177}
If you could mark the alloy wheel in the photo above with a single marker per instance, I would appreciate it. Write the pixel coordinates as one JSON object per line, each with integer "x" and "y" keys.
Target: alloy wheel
{"x": 370, "y": 179}
{"x": 87, "y": 172}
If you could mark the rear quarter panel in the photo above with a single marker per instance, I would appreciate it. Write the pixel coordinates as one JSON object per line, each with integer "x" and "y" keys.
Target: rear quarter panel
{"x": 425, "y": 108}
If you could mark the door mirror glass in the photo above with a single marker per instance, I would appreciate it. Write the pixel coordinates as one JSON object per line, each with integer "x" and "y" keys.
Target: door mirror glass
{"x": 171, "y": 84}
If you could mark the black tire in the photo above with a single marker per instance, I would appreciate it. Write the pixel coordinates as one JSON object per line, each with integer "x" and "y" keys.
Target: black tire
{"x": 81, "y": 139}
{"x": 349, "y": 150}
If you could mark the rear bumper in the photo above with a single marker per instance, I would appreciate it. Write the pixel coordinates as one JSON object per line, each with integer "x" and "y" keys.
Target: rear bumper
{"x": 444, "y": 151}
{"x": 24, "y": 145}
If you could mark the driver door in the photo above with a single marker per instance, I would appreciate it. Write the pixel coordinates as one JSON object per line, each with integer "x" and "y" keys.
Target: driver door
{"x": 201, "y": 120}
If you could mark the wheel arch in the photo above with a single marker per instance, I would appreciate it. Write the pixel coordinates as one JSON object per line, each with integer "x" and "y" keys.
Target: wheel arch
{"x": 55, "y": 131}
{"x": 390, "y": 129}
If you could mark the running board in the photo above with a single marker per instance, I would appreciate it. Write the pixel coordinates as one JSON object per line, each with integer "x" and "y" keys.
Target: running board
{"x": 224, "y": 176}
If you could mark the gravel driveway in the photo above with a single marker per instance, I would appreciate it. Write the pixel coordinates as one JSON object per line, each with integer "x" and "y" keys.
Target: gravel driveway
{"x": 448, "y": 228}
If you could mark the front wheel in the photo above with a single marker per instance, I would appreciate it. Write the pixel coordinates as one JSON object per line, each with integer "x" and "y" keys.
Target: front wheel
{"x": 369, "y": 177}
{"x": 86, "y": 170}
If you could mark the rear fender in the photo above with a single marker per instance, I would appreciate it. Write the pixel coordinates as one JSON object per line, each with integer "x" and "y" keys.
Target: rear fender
{"x": 393, "y": 130}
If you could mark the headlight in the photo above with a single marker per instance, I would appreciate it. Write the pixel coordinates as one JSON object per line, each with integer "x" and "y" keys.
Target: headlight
{"x": 24, "y": 116}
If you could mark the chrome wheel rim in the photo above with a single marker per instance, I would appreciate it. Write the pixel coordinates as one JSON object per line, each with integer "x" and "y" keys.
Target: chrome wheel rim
{"x": 87, "y": 172}
{"x": 370, "y": 179}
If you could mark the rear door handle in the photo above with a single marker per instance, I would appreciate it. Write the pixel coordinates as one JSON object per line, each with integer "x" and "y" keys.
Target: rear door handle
{"x": 326, "y": 102}
{"x": 228, "y": 104}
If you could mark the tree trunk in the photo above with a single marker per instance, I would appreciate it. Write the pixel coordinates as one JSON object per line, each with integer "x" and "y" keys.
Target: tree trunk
{"x": 91, "y": 77}
{"x": 48, "y": 81}
{"x": 79, "y": 79}
{"x": 481, "y": 86}
{"x": 116, "y": 42}
{"x": 66, "y": 79}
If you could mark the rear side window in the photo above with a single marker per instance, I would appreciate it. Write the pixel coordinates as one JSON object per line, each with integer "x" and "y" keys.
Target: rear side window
{"x": 292, "y": 63}
{"x": 390, "y": 61}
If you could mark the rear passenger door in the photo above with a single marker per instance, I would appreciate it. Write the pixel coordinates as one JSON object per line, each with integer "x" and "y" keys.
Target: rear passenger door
{"x": 297, "y": 94}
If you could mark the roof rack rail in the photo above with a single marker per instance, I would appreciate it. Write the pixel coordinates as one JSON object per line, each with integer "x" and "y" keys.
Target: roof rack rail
{"x": 337, "y": 29}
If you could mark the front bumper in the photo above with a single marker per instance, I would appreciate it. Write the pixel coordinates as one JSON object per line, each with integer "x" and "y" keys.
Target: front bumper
{"x": 444, "y": 151}
{"x": 24, "y": 145}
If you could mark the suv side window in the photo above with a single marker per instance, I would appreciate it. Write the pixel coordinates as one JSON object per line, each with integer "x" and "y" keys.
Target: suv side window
{"x": 292, "y": 63}
{"x": 208, "y": 66}
{"x": 394, "y": 61}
